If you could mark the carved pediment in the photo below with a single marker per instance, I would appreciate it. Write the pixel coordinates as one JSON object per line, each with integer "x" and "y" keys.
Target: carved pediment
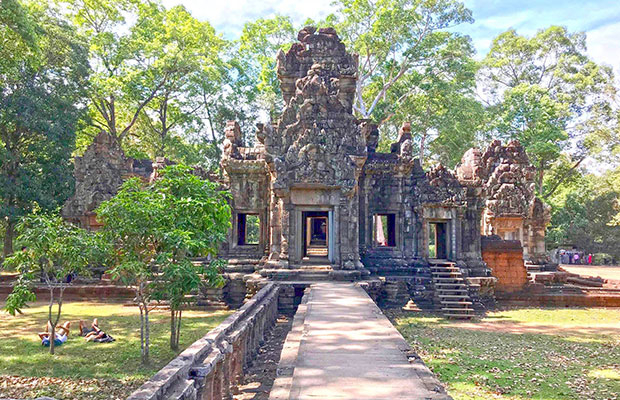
{"x": 441, "y": 186}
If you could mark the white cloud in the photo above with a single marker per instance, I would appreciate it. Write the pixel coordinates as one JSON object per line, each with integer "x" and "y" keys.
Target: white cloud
{"x": 228, "y": 16}
{"x": 604, "y": 46}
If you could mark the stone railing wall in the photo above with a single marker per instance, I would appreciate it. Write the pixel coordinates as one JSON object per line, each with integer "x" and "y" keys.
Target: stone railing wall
{"x": 213, "y": 365}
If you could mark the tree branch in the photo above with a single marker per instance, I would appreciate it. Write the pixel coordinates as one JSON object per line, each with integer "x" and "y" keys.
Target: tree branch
{"x": 561, "y": 180}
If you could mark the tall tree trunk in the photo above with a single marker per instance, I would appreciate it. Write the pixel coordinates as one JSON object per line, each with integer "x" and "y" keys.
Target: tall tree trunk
{"x": 173, "y": 329}
{"x": 8, "y": 238}
{"x": 178, "y": 335}
{"x": 141, "y": 333}
{"x": 422, "y": 147}
{"x": 146, "y": 334}
{"x": 52, "y": 332}
{"x": 541, "y": 174}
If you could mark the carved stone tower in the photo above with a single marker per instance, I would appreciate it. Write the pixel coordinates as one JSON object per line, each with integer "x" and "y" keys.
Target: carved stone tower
{"x": 315, "y": 155}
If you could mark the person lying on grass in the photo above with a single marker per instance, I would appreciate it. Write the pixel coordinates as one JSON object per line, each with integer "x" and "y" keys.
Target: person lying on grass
{"x": 93, "y": 333}
{"x": 61, "y": 334}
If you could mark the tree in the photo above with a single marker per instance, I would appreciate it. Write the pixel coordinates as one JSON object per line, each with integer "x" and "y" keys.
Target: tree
{"x": 197, "y": 220}
{"x": 394, "y": 38}
{"x": 120, "y": 84}
{"x": 41, "y": 92}
{"x": 547, "y": 93}
{"x": 583, "y": 210}
{"x": 437, "y": 99}
{"x": 258, "y": 45}
{"x": 52, "y": 250}
{"x": 174, "y": 116}
{"x": 145, "y": 71}
{"x": 155, "y": 230}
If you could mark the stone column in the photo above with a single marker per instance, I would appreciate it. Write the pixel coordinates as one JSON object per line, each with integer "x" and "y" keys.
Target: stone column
{"x": 285, "y": 218}
{"x": 460, "y": 216}
{"x": 275, "y": 231}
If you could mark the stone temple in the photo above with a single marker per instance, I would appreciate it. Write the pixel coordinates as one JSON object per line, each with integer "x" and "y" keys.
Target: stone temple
{"x": 314, "y": 190}
{"x": 314, "y": 199}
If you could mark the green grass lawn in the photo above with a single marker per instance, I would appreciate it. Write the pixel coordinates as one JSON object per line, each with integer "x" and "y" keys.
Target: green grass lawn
{"x": 86, "y": 370}
{"x": 522, "y": 353}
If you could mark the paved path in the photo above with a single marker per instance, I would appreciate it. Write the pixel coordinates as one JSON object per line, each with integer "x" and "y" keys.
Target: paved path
{"x": 604, "y": 271}
{"x": 343, "y": 347}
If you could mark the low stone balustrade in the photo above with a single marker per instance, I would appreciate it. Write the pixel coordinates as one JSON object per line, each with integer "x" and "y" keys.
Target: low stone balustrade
{"x": 212, "y": 366}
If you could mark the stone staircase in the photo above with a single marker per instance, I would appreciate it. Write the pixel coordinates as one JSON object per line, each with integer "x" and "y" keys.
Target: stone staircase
{"x": 451, "y": 291}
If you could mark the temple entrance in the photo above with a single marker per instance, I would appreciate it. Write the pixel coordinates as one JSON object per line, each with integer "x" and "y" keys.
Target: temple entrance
{"x": 438, "y": 240}
{"x": 315, "y": 230}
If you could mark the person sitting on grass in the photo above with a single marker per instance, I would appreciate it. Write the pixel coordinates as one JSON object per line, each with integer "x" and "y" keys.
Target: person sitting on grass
{"x": 60, "y": 335}
{"x": 94, "y": 334}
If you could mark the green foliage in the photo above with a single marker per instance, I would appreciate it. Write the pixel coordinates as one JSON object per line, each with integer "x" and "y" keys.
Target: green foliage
{"x": 156, "y": 229}
{"x": 40, "y": 95}
{"x": 258, "y": 45}
{"x": 174, "y": 117}
{"x": 118, "y": 370}
{"x": 395, "y": 38}
{"x": 583, "y": 211}
{"x": 438, "y": 100}
{"x": 18, "y": 38}
{"x": 52, "y": 249}
{"x": 547, "y": 93}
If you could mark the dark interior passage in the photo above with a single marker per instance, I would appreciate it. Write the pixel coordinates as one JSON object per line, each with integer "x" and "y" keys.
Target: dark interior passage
{"x": 315, "y": 234}
{"x": 438, "y": 240}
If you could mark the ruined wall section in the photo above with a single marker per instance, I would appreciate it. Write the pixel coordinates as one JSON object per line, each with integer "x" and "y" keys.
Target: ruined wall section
{"x": 247, "y": 178}
{"x": 505, "y": 259}
{"x": 386, "y": 187}
{"x": 505, "y": 177}
{"x": 99, "y": 173}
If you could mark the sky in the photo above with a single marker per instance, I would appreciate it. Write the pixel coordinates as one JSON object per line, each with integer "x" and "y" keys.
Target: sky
{"x": 600, "y": 19}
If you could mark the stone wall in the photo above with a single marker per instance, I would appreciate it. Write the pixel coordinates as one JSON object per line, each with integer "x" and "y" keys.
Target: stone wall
{"x": 511, "y": 208}
{"x": 212, "y": 366}
{"x": 505, "y": 259}
{"x": 99, "y": 173}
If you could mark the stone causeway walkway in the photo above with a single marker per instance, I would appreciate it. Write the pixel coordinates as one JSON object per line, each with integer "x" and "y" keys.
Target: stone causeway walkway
{"x": 343, "y": 347}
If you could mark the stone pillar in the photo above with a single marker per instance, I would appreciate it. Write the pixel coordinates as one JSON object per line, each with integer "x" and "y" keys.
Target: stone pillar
{"x": 285, "y": 219}
{"x": 275, "y": 231}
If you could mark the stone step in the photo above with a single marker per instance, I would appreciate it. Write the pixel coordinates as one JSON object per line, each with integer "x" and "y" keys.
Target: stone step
{"x": 454, "y": 292}
{"x": 464, "y": 310}
{"x": 451, "y": 286}
{"x": 311, "y": 275}
{"x": 452, "y": 296}
{"x": 454, "y": 287}
{"x": 447, "y": 274}
{"x": 444, "y": 279}
{"x": 441, "y": 270}
{"x": 463, "y": 302}
{"x": 317, "y": 267}
{"x": 448, "y": 286}
{"x": 461, "y": 316}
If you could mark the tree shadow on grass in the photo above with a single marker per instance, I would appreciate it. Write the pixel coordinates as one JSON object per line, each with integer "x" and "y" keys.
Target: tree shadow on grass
{"x": 479, "y": 364}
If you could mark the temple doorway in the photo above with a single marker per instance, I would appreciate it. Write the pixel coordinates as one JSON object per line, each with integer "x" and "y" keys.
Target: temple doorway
{"x": 438, "y": 240}
{"x": 315, "y": 229}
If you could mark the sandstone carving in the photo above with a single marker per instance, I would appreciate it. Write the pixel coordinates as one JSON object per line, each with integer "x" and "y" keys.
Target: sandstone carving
{"x": 314, "y": 194}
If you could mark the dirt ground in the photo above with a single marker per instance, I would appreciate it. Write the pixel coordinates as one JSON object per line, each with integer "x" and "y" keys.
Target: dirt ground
{"x": 258, "y": 380}
{"x": 604, "y": 271}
